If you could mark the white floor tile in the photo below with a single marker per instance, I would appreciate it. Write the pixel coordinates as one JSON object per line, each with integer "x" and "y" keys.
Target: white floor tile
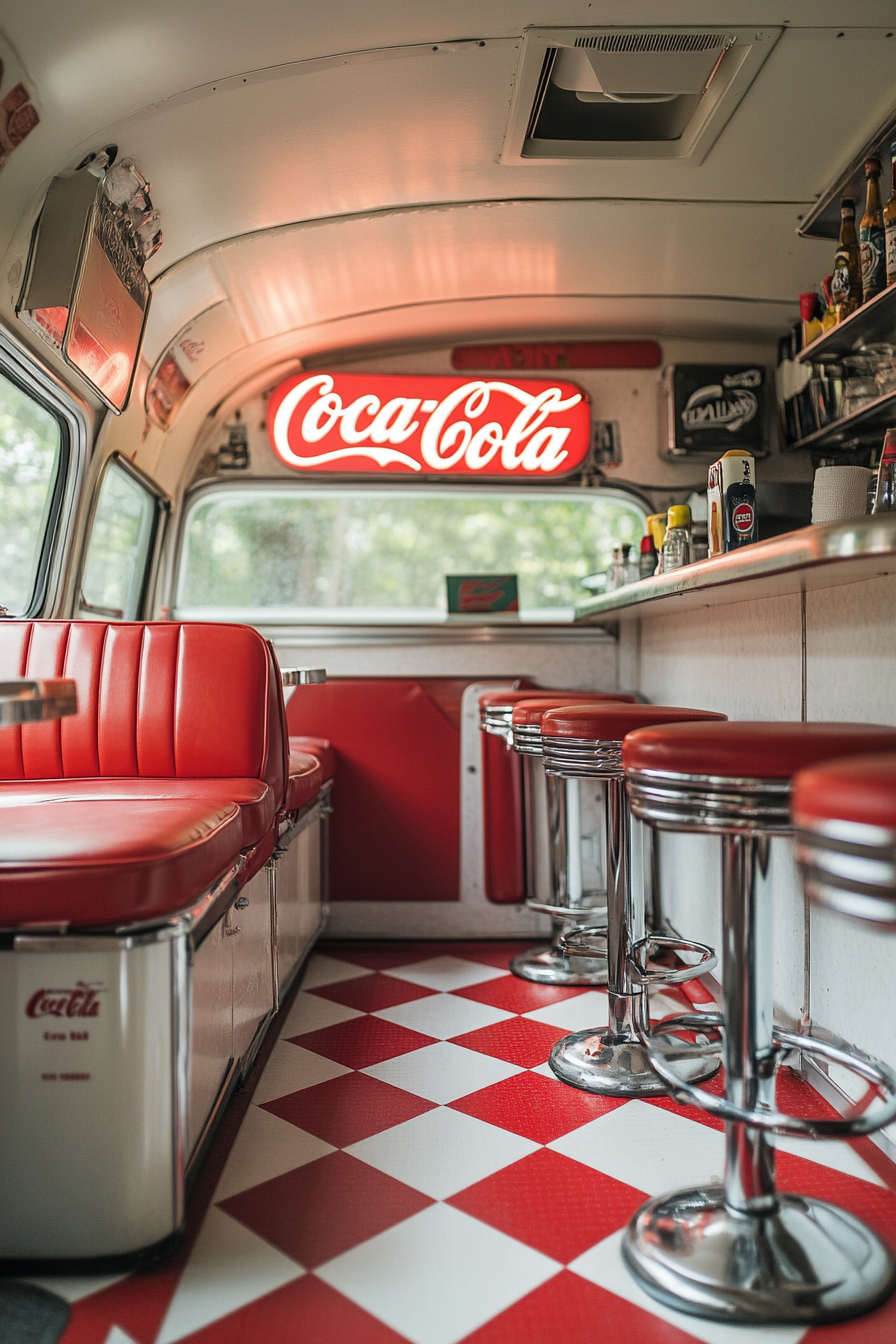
{"x": 309, "y": 1012}
{"x": 576, "y": 1014}
{"x": 442, "y": 1072}
{"x": 229, "y": 1267}
{"x": 324, "y": 970}
{"x": 648, "y": 1148}
{"x": 439, "y": 1275}
{"x": 604, "y": 1265}
{"x": 446, "y": 973}
{"x": 442, "y": 1151}
{"x": 73, "y": 1288}
{"x": 117, "y": 1336}
{"x": 265, "y": 1147}
{"x": 291, "y": 1068}
{"x": 443, "y": 1015}
{"x": 837, "y": 1155}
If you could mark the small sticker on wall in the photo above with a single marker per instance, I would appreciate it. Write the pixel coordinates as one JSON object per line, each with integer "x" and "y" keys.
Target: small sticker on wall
{"x": 18, "y": 110}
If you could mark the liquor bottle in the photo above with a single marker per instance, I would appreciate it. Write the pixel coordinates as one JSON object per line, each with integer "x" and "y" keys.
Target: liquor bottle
{"x": 871, "y": 235}
{"x": 885, "y": 493}
{"x": 846, "y": 284}
{"x": 890, "y": 223}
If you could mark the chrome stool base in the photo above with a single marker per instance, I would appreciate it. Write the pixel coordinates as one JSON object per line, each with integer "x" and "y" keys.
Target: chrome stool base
{"x": 805, "y": 1262}
{"x": 546, "y": 964}
{"x": 598, "y": 1061}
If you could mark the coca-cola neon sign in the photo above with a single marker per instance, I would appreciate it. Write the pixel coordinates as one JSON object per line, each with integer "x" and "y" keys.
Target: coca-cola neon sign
{"x": 363, "y": 423}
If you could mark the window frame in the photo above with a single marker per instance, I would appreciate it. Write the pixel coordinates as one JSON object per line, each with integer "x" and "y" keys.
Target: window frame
{"x": 205, "y": 488}
{"x": 20, "y": 368}
{"x": 83, "y": 610}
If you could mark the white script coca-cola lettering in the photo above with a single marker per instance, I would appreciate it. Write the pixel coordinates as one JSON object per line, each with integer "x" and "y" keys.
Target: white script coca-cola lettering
{"x": 388, "y": 422}
{"x": 82, "y": 1001}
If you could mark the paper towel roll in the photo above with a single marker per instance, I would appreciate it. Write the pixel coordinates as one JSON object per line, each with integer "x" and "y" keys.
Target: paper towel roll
{"x": 840, "y": 493}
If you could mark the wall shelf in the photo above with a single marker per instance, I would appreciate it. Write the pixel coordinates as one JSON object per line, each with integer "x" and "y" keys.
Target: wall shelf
{"x": 862, "y": 429}
{"x": 874, "y": 321}
{"x": 814, "y": 557}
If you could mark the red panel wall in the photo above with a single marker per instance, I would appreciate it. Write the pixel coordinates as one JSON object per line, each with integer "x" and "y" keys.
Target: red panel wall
{"x": 502, "y": 807}
{"x": 396, "y": 825}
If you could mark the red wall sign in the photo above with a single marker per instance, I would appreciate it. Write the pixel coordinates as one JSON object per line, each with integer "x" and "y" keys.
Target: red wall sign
{"x": 559, "y": 355}
{"x": 361, "y": 422}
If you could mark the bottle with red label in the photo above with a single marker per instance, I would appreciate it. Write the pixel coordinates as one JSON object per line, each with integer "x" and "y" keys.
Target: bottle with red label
{"x": 731, "y": 501}
{"x": 885, "y": 493}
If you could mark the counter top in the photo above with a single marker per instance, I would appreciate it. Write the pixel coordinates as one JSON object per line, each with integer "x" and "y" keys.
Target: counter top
{"x": 814, "y": 557}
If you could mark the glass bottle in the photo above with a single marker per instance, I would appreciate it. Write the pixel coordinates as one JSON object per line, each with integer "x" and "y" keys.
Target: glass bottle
{"x": 890, "y": 223}
{"x": 846, "y": 281}
{"x": 677, "y": 546}
{"x": 885, "y": 493}
{"x": 631, "y": 567}
{"x": 871, "y": 235}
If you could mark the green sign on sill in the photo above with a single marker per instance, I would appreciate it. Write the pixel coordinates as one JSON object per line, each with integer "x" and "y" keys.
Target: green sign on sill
{"x": 472, "y": 594}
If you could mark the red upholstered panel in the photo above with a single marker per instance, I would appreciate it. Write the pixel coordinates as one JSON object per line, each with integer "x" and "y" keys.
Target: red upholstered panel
{"x": 156, "y": 698}
{"x": 610, "y": 723}
{"x": 320, "y": 749}
{"x": 859, "y": 788}
{"x": 751, "y": 750}
{"x": 14, "y": 643}
{"x": 119, "y": 679}
{"x": 221, "y": 698}
{"x": 305, "y": 780}
{"x": 502, "y": 807}
{"x": 396, "y": 830}
{"x": 78, "y": 734}
{"x": 41, "y": 742}
{"x": 107, "y": 862}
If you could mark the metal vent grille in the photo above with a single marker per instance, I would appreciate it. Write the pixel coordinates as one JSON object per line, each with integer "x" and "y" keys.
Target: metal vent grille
{"x": 655, "y": 42}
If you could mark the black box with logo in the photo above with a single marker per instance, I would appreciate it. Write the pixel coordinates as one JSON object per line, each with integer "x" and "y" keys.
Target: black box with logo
{"x": 711, "y": 408}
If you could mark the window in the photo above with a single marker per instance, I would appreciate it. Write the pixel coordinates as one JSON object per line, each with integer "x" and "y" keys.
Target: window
{"x": 31, "y": 463}
{"x": 380, "y": 554}
{"x": 120, "y": 546}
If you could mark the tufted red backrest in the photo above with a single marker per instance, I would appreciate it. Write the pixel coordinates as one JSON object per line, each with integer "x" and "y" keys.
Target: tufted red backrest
{"x": 156, "y": 699}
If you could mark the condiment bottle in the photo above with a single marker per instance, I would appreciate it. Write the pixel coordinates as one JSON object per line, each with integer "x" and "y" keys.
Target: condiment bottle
{"x": 885, "y": 493}
{"x": 871, "y": 235}
{"x": 647, "y": 564}
{"x": 631, "y": 569}
{"x": 656, "y": 526}
{"x": 677, "y": 546}
{"x": 811, "y": 323}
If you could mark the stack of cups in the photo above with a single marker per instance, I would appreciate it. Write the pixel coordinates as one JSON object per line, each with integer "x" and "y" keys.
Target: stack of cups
{"x": 840, "y": 493}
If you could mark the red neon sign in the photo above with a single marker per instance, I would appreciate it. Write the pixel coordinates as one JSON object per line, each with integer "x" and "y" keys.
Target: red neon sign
{"x": 360, "y": 423}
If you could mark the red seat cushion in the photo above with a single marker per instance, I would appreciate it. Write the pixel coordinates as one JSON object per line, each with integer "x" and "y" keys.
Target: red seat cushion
{"x": 610, "y": 723}
{"x": 750, "y": 750}
{"x": 318, "y": 747}
{"x": 490, "y": 698}
{"x": 532, "y": 709}
{"x": 107, "y": 862}
{"x": 304, "y": 782}
{"x": 254, "y": 799}
{"x": 860, "y": 789}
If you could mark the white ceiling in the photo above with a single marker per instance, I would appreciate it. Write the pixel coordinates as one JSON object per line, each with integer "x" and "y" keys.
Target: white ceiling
{"x": 329, "y": 173}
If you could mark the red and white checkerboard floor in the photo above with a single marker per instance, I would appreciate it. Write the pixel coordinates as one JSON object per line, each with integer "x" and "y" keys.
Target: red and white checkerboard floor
{"x": 408, "y": 1169}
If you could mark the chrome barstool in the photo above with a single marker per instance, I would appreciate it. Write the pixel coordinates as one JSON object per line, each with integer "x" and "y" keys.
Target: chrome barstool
{"x": 743, "y": 1252}
{"x": 558, "y": 882}
{"x": 585, "y": 742}
{"x": 545, "y": 872}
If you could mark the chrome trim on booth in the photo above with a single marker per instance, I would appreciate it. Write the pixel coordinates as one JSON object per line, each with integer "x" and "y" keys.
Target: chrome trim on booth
{"x": 180, "y": 1070}
{"x": 710, "y": 803}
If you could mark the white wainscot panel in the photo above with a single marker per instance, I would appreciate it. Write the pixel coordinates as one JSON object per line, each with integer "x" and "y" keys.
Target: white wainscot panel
{"x": 743, "y": 660}
{"x": 850, "y": 652}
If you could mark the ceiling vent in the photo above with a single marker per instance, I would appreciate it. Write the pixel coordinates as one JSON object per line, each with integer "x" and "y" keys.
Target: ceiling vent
{"x": 629, "y": 93}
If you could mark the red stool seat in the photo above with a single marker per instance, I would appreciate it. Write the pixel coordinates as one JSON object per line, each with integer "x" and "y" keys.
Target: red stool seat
{"x": 749, "y": 750}
{"x": 611, "y": 723}
{"x": 304, "y": 782}
{"x": 490, "y": 698}
{"x": 106, "y": 862}
{"x": 319, "y": 747}
{"x": 860, "y": 789}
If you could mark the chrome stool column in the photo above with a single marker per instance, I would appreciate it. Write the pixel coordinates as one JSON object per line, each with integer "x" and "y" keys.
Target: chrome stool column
{"x": 584, "y": 742}
{"x": 559, "y": 883}
{"x": 745, "y": 1253}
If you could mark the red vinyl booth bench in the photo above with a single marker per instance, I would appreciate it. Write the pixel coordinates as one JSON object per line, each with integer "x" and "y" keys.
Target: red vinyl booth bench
{"x": 162, "y": 861}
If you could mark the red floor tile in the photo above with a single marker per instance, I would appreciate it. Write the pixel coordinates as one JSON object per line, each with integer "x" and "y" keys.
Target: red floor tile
{"x": 383, "y": 956}
{"x": 516, "y": 995}
{"x": 348, "y": 1109}
{"x": 517, "y": 1040}
{"x": 874, "y": 1205}
{"x": 362, "y": 1041}
{"x": 325, "y": 1208}
{"x": 372, "y": 992}
{"x": 536, "y": 1107}
{"x": 307, "y": 1311}
{"x": 560, "y": 1207}
{"x": 570, "y": 1309}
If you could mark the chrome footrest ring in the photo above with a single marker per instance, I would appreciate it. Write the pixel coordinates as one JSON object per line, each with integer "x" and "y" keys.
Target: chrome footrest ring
{"x": 570, "y": 914}
{"x": 590, "y": 941}
{"x": 876, "y": 1073}
{"x": 637, "y": 963}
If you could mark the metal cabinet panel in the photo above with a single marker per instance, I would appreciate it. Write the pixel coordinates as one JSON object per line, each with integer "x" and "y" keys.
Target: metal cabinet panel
{"x": 248, "y": 925}
{"x": 211, "y": 1025}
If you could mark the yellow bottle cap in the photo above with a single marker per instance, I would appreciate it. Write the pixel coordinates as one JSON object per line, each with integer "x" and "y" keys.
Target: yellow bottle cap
{"x": 679, "y": 515}
{"x": 656, "y": 526}
{"x": 737, "y": 452}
